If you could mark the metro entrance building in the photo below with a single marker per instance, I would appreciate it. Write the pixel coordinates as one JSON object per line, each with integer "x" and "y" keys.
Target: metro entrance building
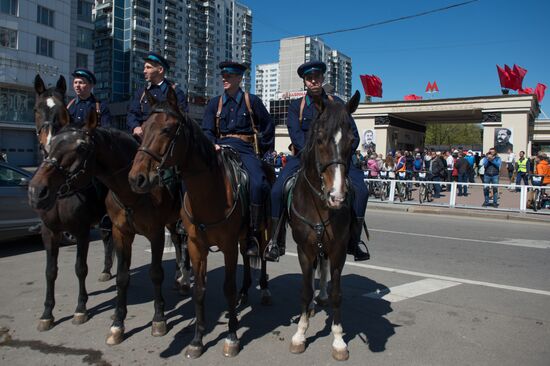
{"x": 402, "y": 124}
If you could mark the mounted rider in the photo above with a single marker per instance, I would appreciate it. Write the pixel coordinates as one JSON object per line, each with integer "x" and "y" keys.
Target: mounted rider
{"x": 85, "y": 101}
{"x": 301, "y": 114}
{"x": 240, "y": 120}
{"x": 154, "y": 70}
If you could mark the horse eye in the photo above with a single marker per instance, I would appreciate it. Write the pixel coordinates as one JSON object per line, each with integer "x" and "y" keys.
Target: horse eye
{"x": 166, "y": 130}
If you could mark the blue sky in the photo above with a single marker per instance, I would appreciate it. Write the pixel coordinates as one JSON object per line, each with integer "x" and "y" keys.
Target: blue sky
{"x": 458, "y": 48}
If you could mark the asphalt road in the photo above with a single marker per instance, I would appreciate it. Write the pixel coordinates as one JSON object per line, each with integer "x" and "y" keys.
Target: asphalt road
{"x": 439, "y": 290}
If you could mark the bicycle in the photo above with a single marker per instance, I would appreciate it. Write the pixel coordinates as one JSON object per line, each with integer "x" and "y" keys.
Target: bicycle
{"x": 425, "y": 191}
{"x": 538, "y": 197}
{"x": 385, "y": 177}
{"x": 404, "y": 190}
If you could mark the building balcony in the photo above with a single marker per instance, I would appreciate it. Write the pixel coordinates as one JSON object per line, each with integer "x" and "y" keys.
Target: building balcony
{"x": 142, "y": 4}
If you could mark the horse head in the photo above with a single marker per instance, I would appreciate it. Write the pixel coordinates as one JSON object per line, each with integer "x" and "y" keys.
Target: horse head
{"x": 68, "y": 166}
{"x": 328, "y": 152}
{"x": 160, "y": 132}
{"x": 50, "y": 112}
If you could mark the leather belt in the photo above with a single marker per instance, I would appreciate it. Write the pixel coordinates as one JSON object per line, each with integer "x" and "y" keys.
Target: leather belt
{"x": 245, "y": 138}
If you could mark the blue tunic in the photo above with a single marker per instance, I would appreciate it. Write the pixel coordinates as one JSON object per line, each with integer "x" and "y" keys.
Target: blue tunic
{"x": 80, "y": 108}
{"x": 298, "y": 135}
{"x": 139, "y": 107}
{"x": 235, "y": 119}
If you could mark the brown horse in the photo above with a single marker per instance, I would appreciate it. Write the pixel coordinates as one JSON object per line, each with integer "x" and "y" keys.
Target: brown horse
{"x": 72, "y": 210}
{"x": 213, "y": 213}
{"x": 77, "y": 155}
{"x": 321, "y": 216}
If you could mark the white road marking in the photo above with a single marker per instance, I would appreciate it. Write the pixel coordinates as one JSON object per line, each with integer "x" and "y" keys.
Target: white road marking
{"x": 445, "y": 278}
{"x": 413, "y": 289}
{"x": 539, "y": 244}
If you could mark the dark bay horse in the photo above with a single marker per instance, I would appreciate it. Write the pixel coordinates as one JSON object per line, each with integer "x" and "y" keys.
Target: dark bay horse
{"x": 212, "y": 212}
{"x": 72, "y": 210}
{"x": 321, "y": 216}
{"x": 77, "y": 155}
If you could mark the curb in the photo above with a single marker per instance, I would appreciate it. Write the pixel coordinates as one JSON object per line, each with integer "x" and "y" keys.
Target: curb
{"x": 431, "y": 210}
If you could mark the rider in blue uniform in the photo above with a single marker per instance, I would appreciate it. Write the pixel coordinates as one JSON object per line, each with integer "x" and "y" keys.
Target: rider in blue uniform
{"x": 313, "y": 75}
{"x": 84, "y": 102}
{"x": 240, "y": 120}
{"x": 154, "y": 70}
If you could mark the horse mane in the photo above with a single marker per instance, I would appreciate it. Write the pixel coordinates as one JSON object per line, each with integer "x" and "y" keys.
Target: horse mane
{"x": 193, "y": 134}
{"x": 333, "y": 117}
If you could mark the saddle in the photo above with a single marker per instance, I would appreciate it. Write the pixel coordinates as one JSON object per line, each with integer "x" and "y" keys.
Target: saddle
{"x": 238, "y": 176}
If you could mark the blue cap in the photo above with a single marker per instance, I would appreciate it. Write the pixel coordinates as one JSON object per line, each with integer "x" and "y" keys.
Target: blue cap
{"x": 310, "y": 67}
{"x": 157, "y": 59}
{"x": 230, "y": 67}
{"x": 86, "y": 74}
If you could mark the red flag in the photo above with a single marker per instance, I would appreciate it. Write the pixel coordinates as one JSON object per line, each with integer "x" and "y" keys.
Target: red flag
{"x": 519, "y": 73}
{"x": 434, "y": 86}
{"x": 372, "y": 85}
{"x": 503, "y": 77}
{"x": 512, "y": 77}
{"x": 539, "y": 91}
{"x": 526, "y": 91}
{"x": 412, "y": 97}
{"x": 429, "y": 87}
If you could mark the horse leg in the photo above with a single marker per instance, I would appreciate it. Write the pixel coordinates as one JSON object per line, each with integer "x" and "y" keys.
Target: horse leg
{"x": 51, "y": 245}
{"x": 339, "y": 348}
{"x": 322, "y": 298}
{"x": 157, "y": 276}
{"x": 298, "y": 343}
{"x": 231, "y": 344}
{"x": 183, "y": 267}
{"x": 247, "y": 280}
{"x": 108, "y": 245}
{"x": 123, "y": 247}
{"x": 81, "y": 269}
{"x": 199, "y": 263}
{"x": 264, "y": 285}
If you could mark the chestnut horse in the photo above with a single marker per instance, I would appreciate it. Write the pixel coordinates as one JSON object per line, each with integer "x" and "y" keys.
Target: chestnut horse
{"x": 213, "y": 213}
{"x": 71, "y": 210}
{"x": 320, "y": 214}
{"x": 77, "y": 155}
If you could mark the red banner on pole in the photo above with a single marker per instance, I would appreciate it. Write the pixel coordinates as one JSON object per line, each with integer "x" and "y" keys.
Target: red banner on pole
{"x": 372, "y": 85}
{"x": 539, "y": 91}
{"x": 412, "y": 97}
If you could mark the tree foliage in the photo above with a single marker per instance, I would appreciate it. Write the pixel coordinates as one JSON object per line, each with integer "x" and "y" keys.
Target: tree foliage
{"x": 453, "y": 133}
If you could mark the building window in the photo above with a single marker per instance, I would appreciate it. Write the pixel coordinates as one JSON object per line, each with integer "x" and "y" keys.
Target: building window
{"x": 8, "y": 38}
{"x": 85, "y": 38}
{"x": 8, "y": 7}
{"x": 44, "y": 16}
{"x": 82, "y": 60}
{"x": 84, "y": 11}
{"x": 44, "y": 47}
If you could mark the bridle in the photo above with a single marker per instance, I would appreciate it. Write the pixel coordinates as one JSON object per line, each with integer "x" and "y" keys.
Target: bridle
{"x": 67, "y": 189}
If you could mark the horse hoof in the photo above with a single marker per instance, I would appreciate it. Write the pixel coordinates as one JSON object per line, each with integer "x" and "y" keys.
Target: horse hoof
{"x": 116, "y": 336}
{"x": 311, "y": 312}
{"x": 231, "y": 349}
{"x": 266, "y": 300}
{"x": 184, "y": 290}
{"x": 321, "y": 302}
{"x": 193, "y": 351}
{"x": 80, "y": 318}
{"x": 104, "y": 277}
{"x": 297, "y": 348}
{"x": 340, "y": 355}
{"x": 158, "y": 329}
{"x": 45, "y": 324}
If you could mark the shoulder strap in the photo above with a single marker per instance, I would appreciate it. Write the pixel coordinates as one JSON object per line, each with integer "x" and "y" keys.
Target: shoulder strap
{"x": 250, "y": 112}
{"x": 141, "y": 100}
{"x": 71, "y": 103}
{"x": 302, "y": 106}
{"x": 218, "y": 115}
{"x": 98, "y": 112}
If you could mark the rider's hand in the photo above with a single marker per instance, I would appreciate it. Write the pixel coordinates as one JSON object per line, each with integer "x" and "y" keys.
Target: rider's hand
{"x": 138, "y": 131}
{"x": 217, "y": 147}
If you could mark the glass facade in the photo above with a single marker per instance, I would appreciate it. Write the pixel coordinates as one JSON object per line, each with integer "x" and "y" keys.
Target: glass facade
{"x": 44, "y": 16}
{"x": 279, "y": 111}
{"x": 84, "y": 11}
{"x": 82, "y": 60}
{"x": 16, "y": 106}
{"x": 44, "y": 47}
{"x": 8, "y": 7}
{"x": 85, "y": 38}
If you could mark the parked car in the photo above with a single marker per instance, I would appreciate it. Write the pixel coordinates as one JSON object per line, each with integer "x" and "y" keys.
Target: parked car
{"x": 16, "y": 216}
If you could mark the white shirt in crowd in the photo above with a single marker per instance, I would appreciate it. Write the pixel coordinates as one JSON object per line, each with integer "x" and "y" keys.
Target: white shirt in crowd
{"x": 511, "y": 158}
{"x": 450, "y": 162}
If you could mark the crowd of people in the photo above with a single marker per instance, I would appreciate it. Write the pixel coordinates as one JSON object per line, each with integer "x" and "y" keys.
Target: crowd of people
{"x": 458, "y": 165}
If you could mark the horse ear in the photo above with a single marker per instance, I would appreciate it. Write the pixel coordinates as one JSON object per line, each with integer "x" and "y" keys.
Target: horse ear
{"x": 91, "y": 120}
{"x": 150, "y": 98}
{"x": 39, "y": 86}
{"x": 171, "y": 97}
{"x": 61, "y": 85}
{"x": 353, "y": 102}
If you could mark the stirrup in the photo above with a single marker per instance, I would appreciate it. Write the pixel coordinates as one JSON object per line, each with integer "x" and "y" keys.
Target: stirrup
{"x": 272, "y": 252}
{"x": 252, "y": 247}
{"x": 358, "y": 254}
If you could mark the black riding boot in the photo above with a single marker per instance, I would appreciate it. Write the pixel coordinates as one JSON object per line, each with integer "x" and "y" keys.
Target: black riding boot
{"x": 355, "y": 242}
{"x": 252, "y": 243}
{"x": 277, "y": 244}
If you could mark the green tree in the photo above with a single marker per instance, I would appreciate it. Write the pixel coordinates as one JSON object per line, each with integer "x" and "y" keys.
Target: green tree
{"x": 453, "y": 133}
